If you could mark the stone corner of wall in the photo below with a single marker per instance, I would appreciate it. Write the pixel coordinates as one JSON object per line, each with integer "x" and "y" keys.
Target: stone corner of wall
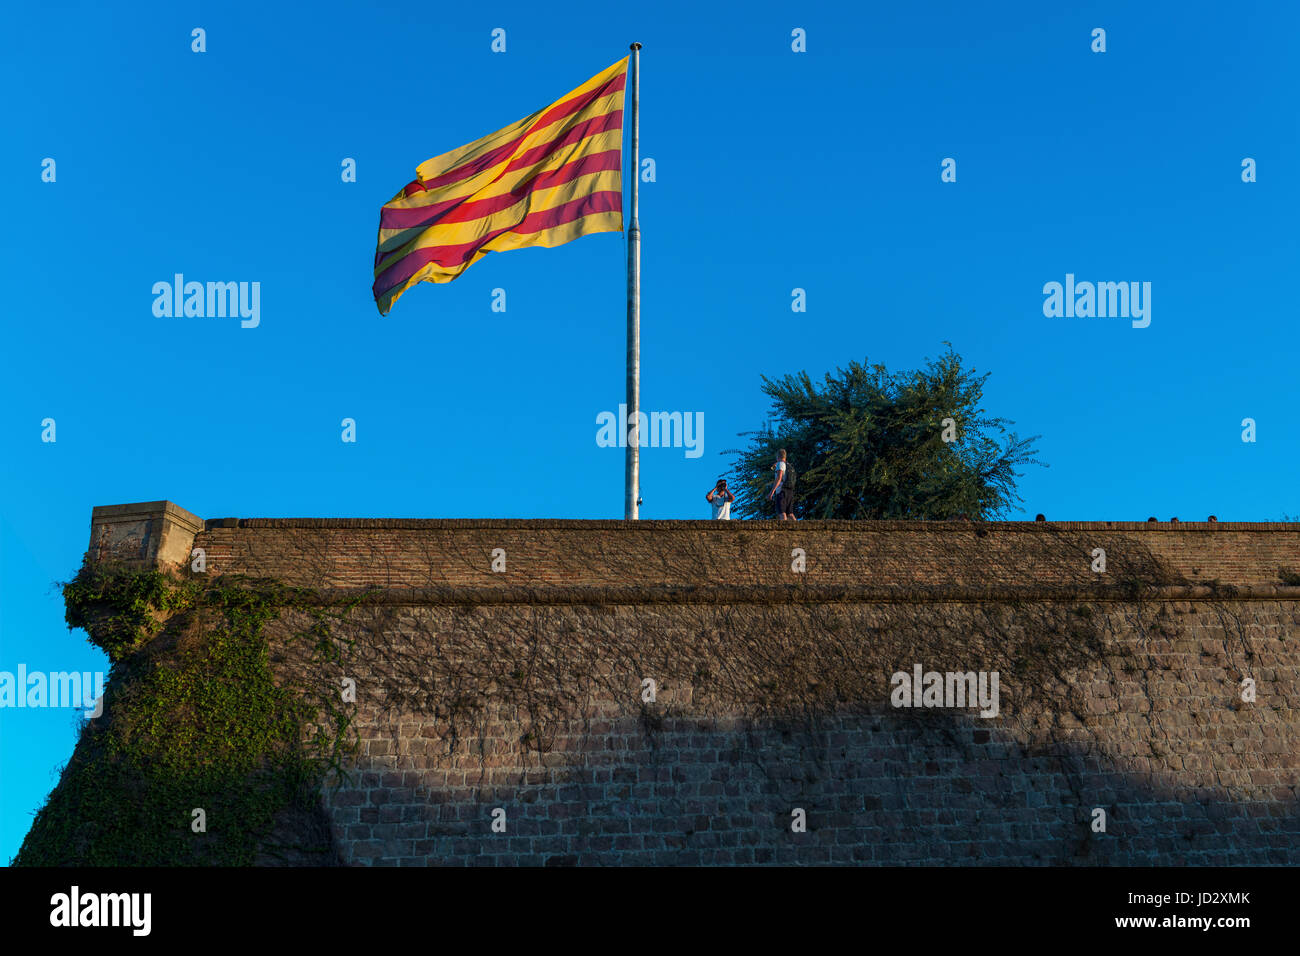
{"x": 146, "y": 534}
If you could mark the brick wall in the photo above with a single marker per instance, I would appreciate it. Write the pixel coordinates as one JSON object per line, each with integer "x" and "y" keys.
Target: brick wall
{"x": 523, "y": 691}
{"x": 653, "y": 554}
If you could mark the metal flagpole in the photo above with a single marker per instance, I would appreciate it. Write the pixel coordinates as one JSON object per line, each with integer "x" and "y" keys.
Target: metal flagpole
{"x": 632, "y": 470}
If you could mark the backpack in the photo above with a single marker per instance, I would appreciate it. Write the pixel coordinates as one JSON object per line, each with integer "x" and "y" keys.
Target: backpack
{"x": 789, "y": 477}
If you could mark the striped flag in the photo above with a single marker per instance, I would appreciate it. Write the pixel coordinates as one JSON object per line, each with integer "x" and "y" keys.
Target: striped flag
{"x": 550, "y": 178}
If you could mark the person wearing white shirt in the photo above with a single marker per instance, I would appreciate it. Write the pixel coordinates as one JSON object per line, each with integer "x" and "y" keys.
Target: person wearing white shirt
{"x": 721, "y": 500}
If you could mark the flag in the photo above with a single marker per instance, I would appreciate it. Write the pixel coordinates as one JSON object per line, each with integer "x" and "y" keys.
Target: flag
{"x": 548, "y": 179}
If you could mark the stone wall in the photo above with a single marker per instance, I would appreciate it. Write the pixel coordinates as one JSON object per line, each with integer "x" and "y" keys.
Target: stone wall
{"x": 692, "y": 554}
{"x": 520, "y": 697}
{"x": 761, "y": 712}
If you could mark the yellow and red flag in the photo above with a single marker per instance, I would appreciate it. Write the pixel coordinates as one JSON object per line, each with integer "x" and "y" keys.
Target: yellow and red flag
{"x": 550, "y": 178}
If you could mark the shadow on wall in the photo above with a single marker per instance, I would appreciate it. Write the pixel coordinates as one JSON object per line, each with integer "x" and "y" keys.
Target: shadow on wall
{"x": 1132, "y": 708}
{"x": 882, "y": 789}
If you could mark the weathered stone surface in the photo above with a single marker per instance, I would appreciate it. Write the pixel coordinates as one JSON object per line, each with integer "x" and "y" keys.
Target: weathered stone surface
{"x": 523, "y": 691}
{"x": 148, "y": 533}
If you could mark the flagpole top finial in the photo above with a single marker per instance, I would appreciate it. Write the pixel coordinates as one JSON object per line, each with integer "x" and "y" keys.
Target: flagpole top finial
{"x": 635, "y": 46}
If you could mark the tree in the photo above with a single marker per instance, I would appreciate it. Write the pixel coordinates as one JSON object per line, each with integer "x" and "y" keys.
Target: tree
{"x": 871, "y": 444}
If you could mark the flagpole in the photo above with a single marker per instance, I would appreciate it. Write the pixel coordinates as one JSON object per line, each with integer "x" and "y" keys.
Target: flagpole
{"x": 632, "y": 469}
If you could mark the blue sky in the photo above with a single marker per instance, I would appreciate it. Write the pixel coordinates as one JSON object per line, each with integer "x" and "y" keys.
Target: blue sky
{"x": 775, "y": 170}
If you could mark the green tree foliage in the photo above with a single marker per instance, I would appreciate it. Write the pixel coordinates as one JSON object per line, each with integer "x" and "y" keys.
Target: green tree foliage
{"x": 870, "y": 444}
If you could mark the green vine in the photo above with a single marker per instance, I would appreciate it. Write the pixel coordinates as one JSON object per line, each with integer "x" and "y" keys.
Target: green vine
{"x": 195, "y": 720}
{"x": 123, "y": 610}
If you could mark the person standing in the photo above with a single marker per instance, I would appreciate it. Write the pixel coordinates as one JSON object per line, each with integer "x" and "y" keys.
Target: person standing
{"x": 782, "y": 492}
{"x": 721, "y": 498}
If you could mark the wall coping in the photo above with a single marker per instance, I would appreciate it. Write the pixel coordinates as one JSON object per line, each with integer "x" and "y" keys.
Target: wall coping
{"x": 734, "y": 527}
{"x": 149, "y": 509}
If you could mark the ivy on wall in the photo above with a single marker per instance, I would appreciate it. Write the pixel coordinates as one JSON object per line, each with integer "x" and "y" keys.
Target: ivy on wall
{"x": 200, "y": 754}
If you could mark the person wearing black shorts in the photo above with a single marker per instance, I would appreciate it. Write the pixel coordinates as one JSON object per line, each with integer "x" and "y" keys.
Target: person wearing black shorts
{"x": 781, "y": 494}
